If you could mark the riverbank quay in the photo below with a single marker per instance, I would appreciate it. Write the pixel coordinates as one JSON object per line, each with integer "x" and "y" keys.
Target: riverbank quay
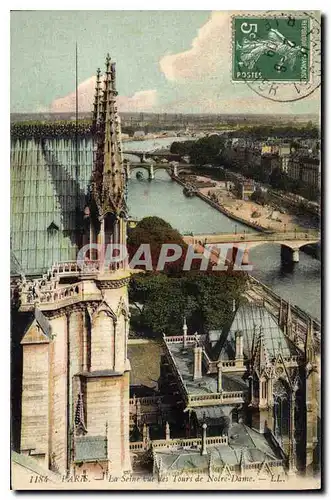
{"x": 273, "y": 220}
{"x": 220, "y": 208}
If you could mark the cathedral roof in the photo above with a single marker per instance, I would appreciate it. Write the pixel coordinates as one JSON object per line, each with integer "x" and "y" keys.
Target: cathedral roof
{"x": 45, "y": 195}
{"x": 257, "y": 326}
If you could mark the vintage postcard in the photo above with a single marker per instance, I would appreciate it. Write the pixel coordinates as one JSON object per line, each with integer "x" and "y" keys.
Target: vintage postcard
{"x": 165, "y": 250}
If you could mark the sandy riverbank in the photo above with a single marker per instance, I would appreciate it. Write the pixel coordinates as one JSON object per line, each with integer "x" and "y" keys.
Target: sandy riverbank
{"x": 245, "y": 209}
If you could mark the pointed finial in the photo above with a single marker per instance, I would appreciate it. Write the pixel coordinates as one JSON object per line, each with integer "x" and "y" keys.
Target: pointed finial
{"x": 280, "y": 317}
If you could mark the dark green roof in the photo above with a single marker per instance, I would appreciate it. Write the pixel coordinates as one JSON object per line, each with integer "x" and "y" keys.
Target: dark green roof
{"x": 90, "y": 448}
{"x": 46, "y": 194}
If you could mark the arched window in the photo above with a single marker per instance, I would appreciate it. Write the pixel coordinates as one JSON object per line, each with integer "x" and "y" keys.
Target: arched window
{"x": 281, "y": 398}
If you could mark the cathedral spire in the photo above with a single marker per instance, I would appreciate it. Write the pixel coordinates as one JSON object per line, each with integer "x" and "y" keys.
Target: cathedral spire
{"x": 310, "y": 347}
{"x": 108, "y": 184}
{"x": 97, "y": 101}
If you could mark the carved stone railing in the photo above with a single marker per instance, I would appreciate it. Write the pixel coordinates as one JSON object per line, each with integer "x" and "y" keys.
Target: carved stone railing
{"x": 53, "y": 296}
{"x": 188, "y": 442}
{"x": 72, "y": 268}
{"x": 227, "y": 364}
{"x": 147, "y": 400}
{"x": 206, "y": 399}
{"x": 178, "y": 339}
{"x": 139, "y": 445}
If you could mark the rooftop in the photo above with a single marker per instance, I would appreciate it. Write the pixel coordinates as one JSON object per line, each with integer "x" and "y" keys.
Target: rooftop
{"x": 253, "y": 320}
{"x": 208, "y": 383}
{"x": 244, "y": 444}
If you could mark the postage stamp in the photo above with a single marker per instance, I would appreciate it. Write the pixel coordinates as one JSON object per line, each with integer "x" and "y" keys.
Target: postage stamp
{"x": 273, "y": 48}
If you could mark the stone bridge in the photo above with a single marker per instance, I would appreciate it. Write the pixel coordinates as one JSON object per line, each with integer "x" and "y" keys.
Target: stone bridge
{"x": 290, "y": 241}
{"x": 173, "y": 170}
{"x": 143, "y": 155}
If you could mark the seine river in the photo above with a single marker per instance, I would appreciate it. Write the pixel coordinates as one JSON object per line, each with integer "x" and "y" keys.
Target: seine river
{"x": 164, "y": 198}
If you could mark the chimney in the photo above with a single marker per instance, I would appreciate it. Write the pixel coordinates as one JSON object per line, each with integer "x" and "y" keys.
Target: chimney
{"x": 219, "y": 376}
{"x": 197, "y": 363}
{"x": 239, "y": 345}
{"x": 204, "y": 439}
{"x": 184, "y": 334}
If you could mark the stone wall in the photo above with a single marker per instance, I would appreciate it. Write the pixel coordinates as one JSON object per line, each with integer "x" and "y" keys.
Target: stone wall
{"x": 34, "y": 431}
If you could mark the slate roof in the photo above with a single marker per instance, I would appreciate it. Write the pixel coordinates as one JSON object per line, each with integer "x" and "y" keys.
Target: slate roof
{"x": 252, "y": 320}
{"x": 208, "y": 383}
{"x": 45, "y": 190}
{"x": 241, "y": 438}
{"x": 90, "y": 448}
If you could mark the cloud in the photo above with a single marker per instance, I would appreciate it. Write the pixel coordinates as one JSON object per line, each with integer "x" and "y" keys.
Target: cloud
{"x": 144, "y": 100}
{"x": 209, "y": 52}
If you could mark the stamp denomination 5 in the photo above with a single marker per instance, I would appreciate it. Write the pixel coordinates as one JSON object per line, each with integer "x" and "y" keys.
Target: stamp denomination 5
{"x": 277, "y": 54}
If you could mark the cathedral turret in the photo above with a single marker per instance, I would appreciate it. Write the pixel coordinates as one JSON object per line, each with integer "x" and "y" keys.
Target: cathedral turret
{"x": 108, "y": 178}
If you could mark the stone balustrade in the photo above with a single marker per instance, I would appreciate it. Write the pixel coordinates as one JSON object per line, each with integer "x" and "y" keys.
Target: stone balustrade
{"x": 228, "y": 364}
{"x": 148, "y": 400}
{"x": 177, "y": 339}
{"x": 204, "y": 399}
{"x": 178, "y": 443}
{"x": 53, "y": 296}
{"x": 139, "y": 445}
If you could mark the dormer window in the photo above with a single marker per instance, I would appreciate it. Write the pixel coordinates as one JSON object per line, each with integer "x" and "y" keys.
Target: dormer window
{"x": 52, "y": 228}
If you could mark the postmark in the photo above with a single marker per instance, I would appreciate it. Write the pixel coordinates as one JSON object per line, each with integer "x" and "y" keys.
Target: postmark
{"x": 278, "y": 55}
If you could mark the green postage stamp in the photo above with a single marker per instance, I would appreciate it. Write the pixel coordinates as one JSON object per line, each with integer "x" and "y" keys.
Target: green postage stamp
{"x": 271, "y": 48}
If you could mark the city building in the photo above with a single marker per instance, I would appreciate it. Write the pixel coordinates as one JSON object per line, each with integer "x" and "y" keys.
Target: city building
{"x": 305, "y": 168}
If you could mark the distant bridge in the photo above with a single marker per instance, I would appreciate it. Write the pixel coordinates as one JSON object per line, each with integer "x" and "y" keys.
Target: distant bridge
{"x": 151, "y": 168}
{"x": 290, "y": 241}
{"x": 143, "y": 155}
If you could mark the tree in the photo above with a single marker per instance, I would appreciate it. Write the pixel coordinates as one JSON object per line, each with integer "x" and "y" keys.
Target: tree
{"x": 207, "y": 150}
{"x": 164, "y": 297}
{"x": 260, "y": 196}
{"x": 279, "y": 180}
{"x": 156, "y": 232}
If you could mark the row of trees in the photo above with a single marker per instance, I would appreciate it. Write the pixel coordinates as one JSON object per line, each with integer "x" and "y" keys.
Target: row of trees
{"x": 307, "y": 131}
{"x": 164, "y": 297}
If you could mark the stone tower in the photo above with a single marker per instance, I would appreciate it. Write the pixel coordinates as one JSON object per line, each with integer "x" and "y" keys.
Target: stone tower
{"x": 75, "y": 400}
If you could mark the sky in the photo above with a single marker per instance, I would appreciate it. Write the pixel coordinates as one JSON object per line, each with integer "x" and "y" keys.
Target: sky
{"x": 167, "y": 61}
